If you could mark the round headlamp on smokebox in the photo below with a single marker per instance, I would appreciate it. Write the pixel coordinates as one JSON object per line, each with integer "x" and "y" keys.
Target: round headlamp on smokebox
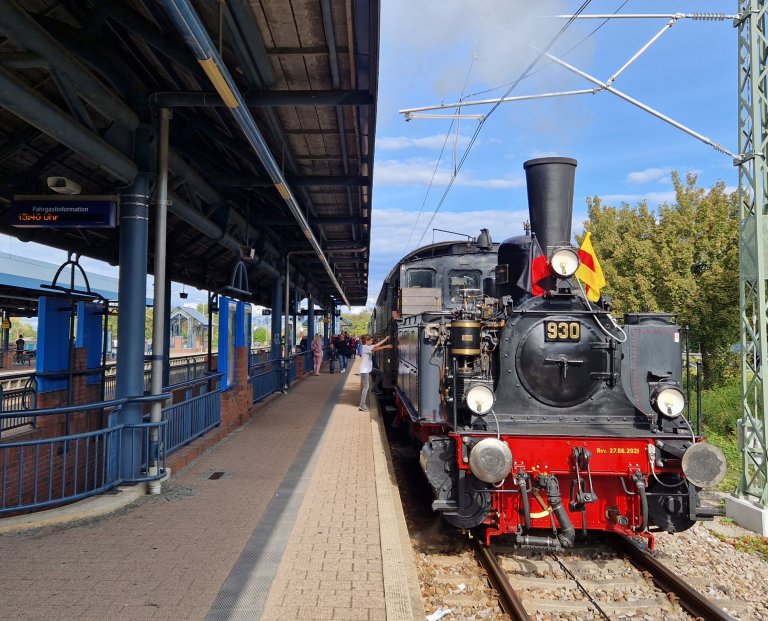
{"x": 668, "y": 400}
{"x": 564, "y": 261}
{"x": 479, "y": 398}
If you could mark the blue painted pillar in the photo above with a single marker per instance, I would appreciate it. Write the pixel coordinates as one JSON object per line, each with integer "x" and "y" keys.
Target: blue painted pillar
{"x": 277, "y": 317}
{"x": 131, "y": 296}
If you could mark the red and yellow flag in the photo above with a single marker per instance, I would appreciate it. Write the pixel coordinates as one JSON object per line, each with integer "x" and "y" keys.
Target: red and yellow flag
{"x": 590, "y": 272}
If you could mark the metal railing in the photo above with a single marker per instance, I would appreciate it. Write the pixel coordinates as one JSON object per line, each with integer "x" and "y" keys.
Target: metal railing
{"x": 51, "y": 471}
{"x": 16, "y": 400}
{"x": 188, "y": 368}
{"x": 191, "y": 418}
{"x": 180, "y": 370}
{"x": 276, "y": 375}
{"x": 265, "y": 378}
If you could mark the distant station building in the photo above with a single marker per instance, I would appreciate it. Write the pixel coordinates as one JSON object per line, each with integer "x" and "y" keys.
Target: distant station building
{"x": 189, "y": 331}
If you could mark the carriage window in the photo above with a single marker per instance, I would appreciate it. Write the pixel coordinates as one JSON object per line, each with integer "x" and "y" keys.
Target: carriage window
{"x": 463, "y": 279}
{"x": 421, "y": 278}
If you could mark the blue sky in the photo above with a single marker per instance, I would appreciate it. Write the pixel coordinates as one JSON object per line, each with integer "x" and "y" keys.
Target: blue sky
{"x": 435, "y": 51}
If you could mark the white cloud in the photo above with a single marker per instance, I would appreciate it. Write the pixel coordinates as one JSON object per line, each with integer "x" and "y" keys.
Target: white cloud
{"x": 395, "y": 143}
{"x": 649, "y": 175}
{"x": 421, "y": 171}
{"x": 398, "y": 232}
{"x": 494, "y": 36}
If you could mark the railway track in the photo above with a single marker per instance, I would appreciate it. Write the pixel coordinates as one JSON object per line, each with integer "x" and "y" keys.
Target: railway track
{"x": 615, "y": 581}
{"x": 451, "y": 575}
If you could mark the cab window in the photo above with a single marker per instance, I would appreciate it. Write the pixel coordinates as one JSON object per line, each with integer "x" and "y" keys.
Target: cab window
{"x": 420, "y": 278}
{"x": 463, "y": 279}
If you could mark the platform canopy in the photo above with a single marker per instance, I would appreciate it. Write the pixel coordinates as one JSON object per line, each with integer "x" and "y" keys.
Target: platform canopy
{"x": 78, "y": 79}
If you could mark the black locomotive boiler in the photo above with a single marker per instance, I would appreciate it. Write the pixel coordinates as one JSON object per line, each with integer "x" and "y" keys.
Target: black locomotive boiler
{"x": 540, "y": 417}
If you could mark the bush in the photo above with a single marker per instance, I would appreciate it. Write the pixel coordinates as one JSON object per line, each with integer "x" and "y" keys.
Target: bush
{"x": 730, "y": 447}
{"x": 721, "y": 408}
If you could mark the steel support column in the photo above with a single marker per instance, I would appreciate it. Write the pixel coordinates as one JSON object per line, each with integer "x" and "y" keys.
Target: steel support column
{"x": 277, "y": 319}
{"x": 134, "y": 225}
{"x": 159, "y": 335}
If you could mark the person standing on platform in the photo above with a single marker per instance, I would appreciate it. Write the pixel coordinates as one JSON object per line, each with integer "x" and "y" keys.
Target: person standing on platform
{"x": 20, "y": 349}
{"x": 317, "y": 352}
{"x": 342, "y": 345}
{"x": 366, "y": 364}
{"x": 333, "y": 355}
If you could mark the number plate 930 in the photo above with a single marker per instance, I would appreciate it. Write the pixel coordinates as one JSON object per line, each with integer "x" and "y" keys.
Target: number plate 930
{"x": 568, "y": 331}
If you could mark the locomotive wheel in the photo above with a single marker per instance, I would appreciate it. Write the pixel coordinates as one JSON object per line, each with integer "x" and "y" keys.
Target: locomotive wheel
{"x": 476, "y": 502}
{"x": 669, "y": 507}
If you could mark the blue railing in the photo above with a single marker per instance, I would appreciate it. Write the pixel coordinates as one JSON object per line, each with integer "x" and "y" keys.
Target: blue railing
{"x": 17, "y": 400}
{"x": 309, "y": 362}
{"x": 56, "y": 470}
{"x": 265, "y": 378}
{"x": 180, "y": 370}
{"x": 40, "y": 473}
{"x": 193, "y": 417}
{"x": 273, "y": 375}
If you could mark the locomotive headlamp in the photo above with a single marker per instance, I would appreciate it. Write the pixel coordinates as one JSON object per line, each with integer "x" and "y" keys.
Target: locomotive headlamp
{"x": 668, "y": 401}
{"x": 479, "y": 398}
{"x": 490, "y": 460}
{"x": 564, "y": 262}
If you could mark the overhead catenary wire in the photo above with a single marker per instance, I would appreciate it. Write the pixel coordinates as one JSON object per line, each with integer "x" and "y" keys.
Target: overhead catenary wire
{"x": 600, "y": 85}
{"x": 480, "y": 125}
{"x": 439, "y": 159}
{"x": 579, "y": 44}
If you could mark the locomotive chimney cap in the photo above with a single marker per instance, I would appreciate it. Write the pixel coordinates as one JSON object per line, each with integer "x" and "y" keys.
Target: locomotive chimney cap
{"x": 550, "y": 160}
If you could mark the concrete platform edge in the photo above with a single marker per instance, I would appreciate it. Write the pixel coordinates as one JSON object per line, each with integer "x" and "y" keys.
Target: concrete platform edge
{"x": 401, "y": 583}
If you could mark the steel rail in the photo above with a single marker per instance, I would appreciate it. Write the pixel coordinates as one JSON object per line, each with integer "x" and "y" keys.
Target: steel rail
{"x": 694, "y": 602}
{"x": 510, "y": 602}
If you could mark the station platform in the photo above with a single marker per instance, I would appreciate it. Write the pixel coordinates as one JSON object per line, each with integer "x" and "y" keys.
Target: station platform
{"x": 295, "y": 515}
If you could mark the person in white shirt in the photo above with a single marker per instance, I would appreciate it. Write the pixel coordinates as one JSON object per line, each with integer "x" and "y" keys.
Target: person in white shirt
{"x": 366, "y": 364}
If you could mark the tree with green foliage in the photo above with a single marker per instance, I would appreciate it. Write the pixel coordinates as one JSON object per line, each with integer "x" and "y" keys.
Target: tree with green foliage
{"x": 19, "y": 326}
{"x": 260, "y": 335}
{"x": 359, "y": 322}
{"x": 682, "y": 258}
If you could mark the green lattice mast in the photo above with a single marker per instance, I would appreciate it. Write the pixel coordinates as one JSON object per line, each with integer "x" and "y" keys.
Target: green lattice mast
{"x": 753, "y": 123}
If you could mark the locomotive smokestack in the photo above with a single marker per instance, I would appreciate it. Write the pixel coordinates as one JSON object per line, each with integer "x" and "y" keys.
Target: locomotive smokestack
{"x": 550, "y": 183}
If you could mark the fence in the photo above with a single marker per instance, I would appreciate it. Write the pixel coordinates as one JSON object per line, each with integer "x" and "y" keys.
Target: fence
{"x": 194, "y": 416}
{"x": 273, "y": 375}
{"x": 50, "y": 471}
{"x": 17, "y": 400}
{"x": 57, "y": 470}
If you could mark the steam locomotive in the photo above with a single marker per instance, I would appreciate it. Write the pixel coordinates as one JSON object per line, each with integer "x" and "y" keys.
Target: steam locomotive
{"x": 540, "y": 417}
